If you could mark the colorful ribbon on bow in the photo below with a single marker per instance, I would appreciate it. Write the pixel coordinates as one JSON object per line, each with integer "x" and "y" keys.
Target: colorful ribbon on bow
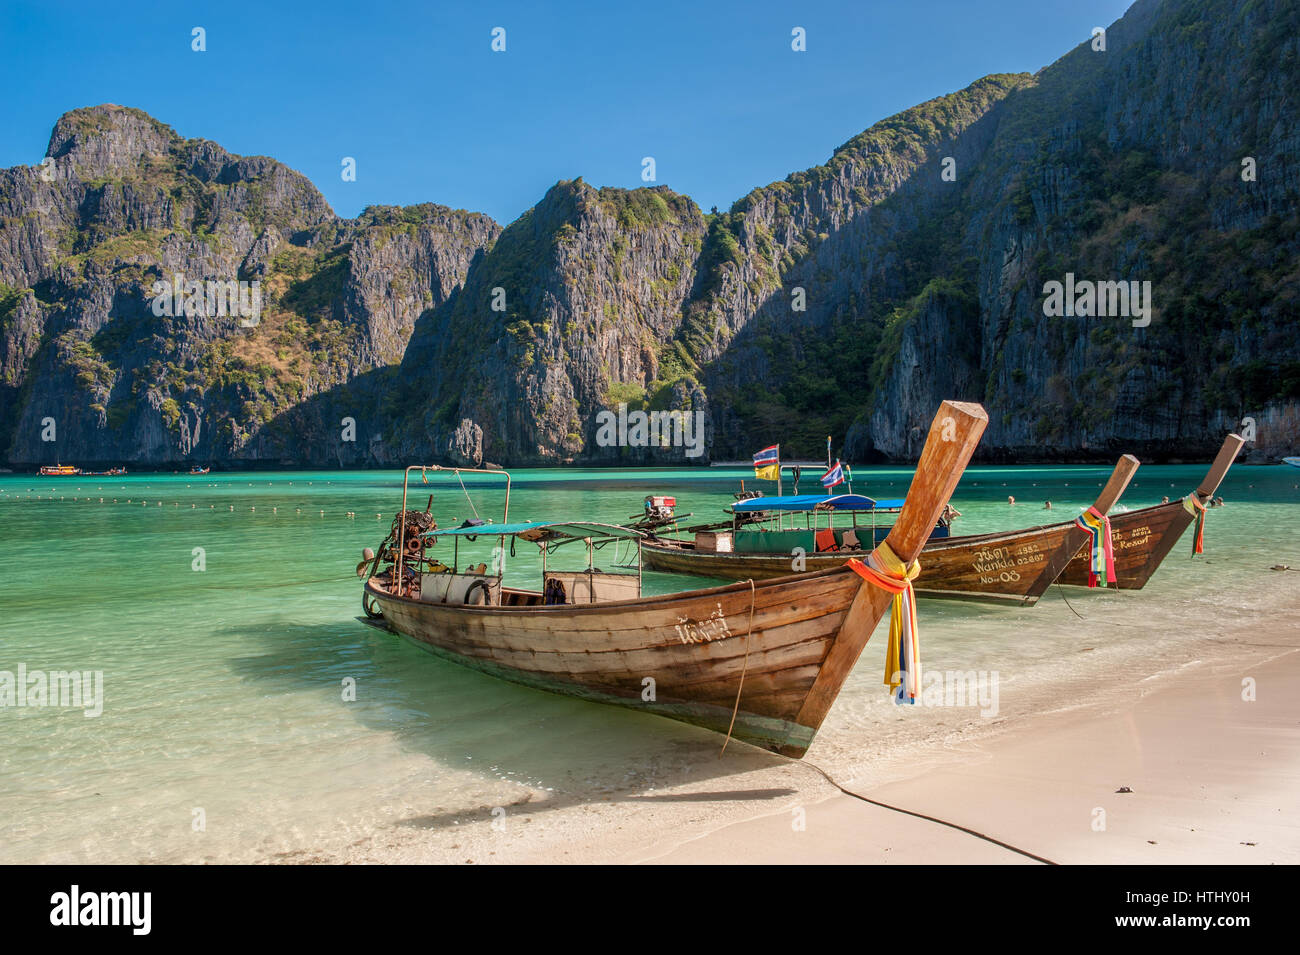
{"x": 1192, "y": 504}
{"x": 1101, "y": 553}
{"x": 903, "y": 656}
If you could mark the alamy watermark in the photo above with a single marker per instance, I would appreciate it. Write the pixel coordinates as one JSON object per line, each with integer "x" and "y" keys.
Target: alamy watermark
{"x": 127, "y": 909}
{"x": 960, "y": 688}
{"x": 1102, "y": 299}
{"x": 208, "y": 299}
{"x": 644, "y": 429}
{"x": 83, "y": 689}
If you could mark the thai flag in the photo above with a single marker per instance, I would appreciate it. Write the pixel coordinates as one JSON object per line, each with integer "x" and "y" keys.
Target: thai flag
{"x": 834, "y": 476}
{"x": 768, "y": 456}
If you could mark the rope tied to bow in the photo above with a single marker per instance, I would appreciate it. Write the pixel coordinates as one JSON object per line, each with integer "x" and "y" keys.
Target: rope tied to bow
{"x": 744, "y": 669}
{"x": 885, "y": 570}
{"x": 1193, "y": 505}
{"x": 1101, "y": 552}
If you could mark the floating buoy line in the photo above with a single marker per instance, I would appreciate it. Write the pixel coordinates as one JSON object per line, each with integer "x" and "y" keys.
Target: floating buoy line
{"x": 31, "y": 495}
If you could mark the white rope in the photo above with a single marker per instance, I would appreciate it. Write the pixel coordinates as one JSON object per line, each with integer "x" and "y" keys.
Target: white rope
{"x": 467, "y": 497}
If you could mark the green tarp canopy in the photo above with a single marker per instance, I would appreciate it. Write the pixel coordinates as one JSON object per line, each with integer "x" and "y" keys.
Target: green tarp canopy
{"x": 540, "y": 530}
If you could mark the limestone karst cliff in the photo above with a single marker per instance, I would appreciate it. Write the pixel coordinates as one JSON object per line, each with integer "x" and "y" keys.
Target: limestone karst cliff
{"x": 846, "y": 299}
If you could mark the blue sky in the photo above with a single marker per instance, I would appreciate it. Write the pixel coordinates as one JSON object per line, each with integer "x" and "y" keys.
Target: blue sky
{"x": 413, "y": 91}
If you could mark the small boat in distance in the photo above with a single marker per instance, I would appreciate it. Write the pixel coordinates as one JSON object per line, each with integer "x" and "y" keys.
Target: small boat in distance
{"x": 1293, "y": 460}
{"x": 198, "y": 470}
{"x": 59, "y": 470}
{"x": 111, "y": 472}
{"x": 761, "y": 661}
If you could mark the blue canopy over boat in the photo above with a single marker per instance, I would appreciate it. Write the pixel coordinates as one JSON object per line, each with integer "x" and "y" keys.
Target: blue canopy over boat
{"x": 816, "y": 502}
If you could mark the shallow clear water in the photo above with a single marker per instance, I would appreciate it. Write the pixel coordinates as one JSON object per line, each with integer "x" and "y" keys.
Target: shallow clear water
{"x": 224, "y": 688}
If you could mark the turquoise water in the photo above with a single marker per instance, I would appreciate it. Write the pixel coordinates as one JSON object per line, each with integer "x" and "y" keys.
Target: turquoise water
{"x": 224, "y": 688}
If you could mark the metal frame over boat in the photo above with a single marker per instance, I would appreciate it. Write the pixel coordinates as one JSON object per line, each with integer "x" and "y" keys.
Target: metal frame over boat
{"x": 1014, "y": 565}
{"x": 761, "y": 661}
{"x": 1143, "y": 538}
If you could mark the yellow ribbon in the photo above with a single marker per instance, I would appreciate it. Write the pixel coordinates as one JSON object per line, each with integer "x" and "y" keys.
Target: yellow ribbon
{"x": 903, "y": 655}
{"x": 904, "y": 634}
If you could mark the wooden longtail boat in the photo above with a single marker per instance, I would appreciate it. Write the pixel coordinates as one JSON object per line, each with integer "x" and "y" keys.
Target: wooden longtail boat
{"x": 59, "y": 470}
{"x": 761, "y": 661}
{"x": 1014, "y": 566}
{"x": 1143, "y": 538}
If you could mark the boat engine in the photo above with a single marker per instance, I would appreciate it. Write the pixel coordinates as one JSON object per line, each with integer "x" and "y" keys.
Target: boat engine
{"x": 658, "y": 508}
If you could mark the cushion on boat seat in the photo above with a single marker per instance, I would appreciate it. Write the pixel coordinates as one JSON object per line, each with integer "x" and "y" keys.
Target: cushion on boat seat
{"x": 826, "y": 540}
{"x": 851, "y": 541}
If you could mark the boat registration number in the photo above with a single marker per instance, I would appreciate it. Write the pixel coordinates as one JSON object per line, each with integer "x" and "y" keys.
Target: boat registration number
{"x": 1137, "y": 537}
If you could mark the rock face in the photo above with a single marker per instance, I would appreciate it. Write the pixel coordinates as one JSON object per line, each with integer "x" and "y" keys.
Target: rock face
{"x": 848, "y": 299}
{"x": 124, "y": 206}
{"x": 568, "y": 314}
{"x": 1169, "y": 158}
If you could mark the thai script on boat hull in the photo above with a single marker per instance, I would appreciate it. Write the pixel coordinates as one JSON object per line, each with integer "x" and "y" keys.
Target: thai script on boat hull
{"x": 713, "y": 627}
{"x": 999, "y": 564}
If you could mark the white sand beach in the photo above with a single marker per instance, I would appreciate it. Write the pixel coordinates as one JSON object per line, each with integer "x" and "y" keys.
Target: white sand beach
{"x": 1213, "y": 777}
